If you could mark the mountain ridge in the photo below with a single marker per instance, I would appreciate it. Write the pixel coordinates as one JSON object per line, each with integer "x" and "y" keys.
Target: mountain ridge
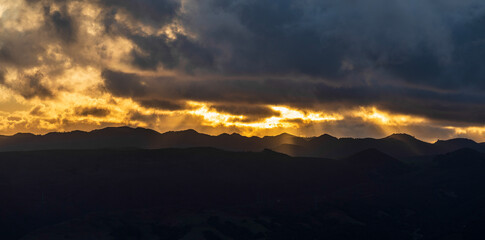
{"x": 144, "y": 191}
{"x": 398, "y": 145}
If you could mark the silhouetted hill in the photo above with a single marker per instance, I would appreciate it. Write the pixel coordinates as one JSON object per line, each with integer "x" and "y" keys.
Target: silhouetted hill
{"x": 293, "y": 150}
{"x": 396, "y": 145}
{"x": 455, "y": 144}
{"x": 377, "y": 163}
{"x": 46, "y": 187}
{"x": 465, "y": 157}
{"x": 112, "y": 137}
{"x": 284, "y": 138}
{"x": 206, "y": 193}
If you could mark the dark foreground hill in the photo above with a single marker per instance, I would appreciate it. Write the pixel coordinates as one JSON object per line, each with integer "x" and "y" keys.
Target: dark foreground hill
{"x": 205, "y": 193}
{"x": 396, "y": 145}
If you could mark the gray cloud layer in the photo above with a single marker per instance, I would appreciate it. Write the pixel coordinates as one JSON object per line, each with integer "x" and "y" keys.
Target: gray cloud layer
{"x": 439, "y": 105}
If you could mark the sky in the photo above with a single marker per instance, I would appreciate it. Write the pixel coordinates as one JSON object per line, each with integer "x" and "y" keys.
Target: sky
{"x": 348, "y": 68}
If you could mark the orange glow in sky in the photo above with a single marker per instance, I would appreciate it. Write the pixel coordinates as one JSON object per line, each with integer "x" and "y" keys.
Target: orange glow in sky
{"x": 52, "y": 82}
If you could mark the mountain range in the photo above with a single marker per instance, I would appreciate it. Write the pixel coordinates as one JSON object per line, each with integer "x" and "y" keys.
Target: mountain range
{"x": 207, "y": 193}
{"x": 324, "y": 146}
{"x": 135, "y": 183}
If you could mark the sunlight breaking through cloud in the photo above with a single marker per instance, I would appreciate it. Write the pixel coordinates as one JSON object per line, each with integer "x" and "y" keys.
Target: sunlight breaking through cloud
{"x": 214, "y": 67}
{"x": 288, "y": 117}
{"x": 384, "y": 118}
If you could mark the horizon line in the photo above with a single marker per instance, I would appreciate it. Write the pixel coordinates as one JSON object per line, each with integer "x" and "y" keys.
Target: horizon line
{"x": 247, "y": 136}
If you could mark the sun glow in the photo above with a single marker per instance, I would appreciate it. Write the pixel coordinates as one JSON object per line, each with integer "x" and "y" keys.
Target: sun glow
{"x": 372, "y": 114}
{"x": 288, "y": 117}
{"x": 288, "y": 113}
{"x": 468, "y": 130}
{"x": 81, "y": 111}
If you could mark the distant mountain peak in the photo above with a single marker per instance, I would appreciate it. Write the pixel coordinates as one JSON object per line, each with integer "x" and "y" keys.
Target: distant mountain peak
{"x": 456, "y": 140}
{"x": 123, "y": 130}
{"x": 323, "y": 139}
{"x": 285, "y": 135}
{"x": 401, "y": 137}
{"x": 24, "y": 134}
{"x": 281, "y": 135}
{"x": 114, "y": 128}
{"x": 397, "y": 145}
{"x": 189, "y": 131}
{"x": 327, "y": 136}
{"x": 229, "y": 135}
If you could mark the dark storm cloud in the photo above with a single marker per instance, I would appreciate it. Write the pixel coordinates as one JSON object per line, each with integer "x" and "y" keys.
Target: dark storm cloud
{"x": 33, "y": 87}
{"x": 170, "y": 53}
{"x": 277, "y": 41}
{"x": 156, "y": 12}
{"x": 309, "y": 37}
{"x": 131, "y": 85}
{"x": 19, "y": 49}
{"x": 61, "y": 23}
{"x": 30, "y": 86}
{"x": 123, "y": 84}
{"x": 234, "y": 96}
{"x": 407, "y": 56}
{"x": 163, "y": 104}
{"x": 2, "y": 76}
{"x": 156, "y": 51}
{"x": 92, "y": 111}
{"x": 428, "y": 43}
{"x": 137, "y": 116}
{"x": 268, "y": 91}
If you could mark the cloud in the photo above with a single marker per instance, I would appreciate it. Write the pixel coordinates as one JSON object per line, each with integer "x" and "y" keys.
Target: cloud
{"x": 92, "y": 111}
{"x": 156, "y": 12}
{"x": 414, "y": 41}
{"x": 123, "y": 84}
{"x": 231, "y": 94}
{"x": 147, "y": 118}
{"x": 163, "y": 104}
{"x": 36, "y": 111}
{"x": 61, "y": 23}
{"x": 426, "y": 43}
{"x": 418, "y": 42}
{"x": 413, "y": 57}
{"x": 252, "y": 112}
{"x": 2, "y": 76}
{"x": 179, "y": 53}
{"x": 19, "y": 49}
{"x": 30, "y": 86}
